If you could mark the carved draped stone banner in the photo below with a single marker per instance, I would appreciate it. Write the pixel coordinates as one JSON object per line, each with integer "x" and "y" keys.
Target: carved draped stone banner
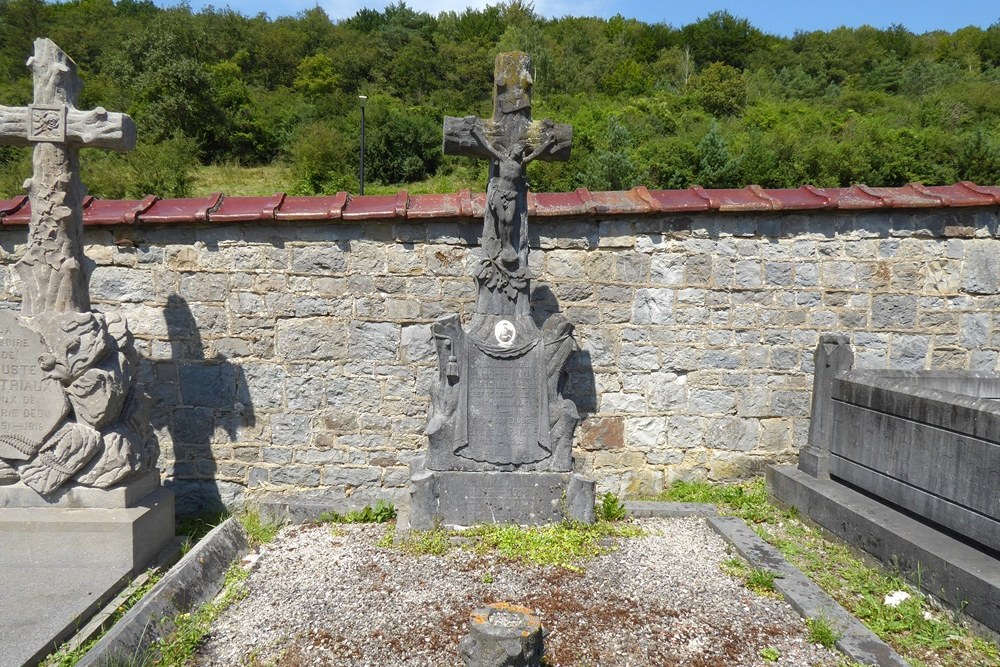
{"x": 500, "y": 431}
{"x": 69, "y": 413}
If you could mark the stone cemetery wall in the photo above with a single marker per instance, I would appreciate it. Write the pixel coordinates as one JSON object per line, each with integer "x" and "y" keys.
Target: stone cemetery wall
{"x": 295, "y": 356}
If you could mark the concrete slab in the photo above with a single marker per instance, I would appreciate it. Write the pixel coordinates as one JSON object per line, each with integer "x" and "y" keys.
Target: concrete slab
{"x": 963, "y": 576}
{"x": 125, "y": 538}
{"x": 526, "y": 498}
{"x": 43, "y": 605}
{"x": 59, "y": 565}
{"x": 856, "y": 641}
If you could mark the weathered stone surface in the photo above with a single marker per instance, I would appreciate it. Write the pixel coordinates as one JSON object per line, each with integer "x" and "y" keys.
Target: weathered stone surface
{"x": 982, "y": 268}
{"x": 833, "y": 356}
{"x": 502, "y": 635}
{"x": 497, "y": 406}
{"x": 468, "y": 498}
{"x": 70, "y": 411}
{"x": 927, "y": 441}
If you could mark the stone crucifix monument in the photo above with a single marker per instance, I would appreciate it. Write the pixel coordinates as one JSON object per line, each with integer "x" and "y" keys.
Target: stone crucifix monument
{"x": 500, "y": 432}
{"x": 78, "y": 477}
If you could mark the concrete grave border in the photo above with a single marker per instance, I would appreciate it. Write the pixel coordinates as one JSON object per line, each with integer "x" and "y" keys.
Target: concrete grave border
{"x": 194, "y": 580}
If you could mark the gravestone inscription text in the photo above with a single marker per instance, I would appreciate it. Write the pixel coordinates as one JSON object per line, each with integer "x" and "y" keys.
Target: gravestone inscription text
{"x": 31, "y": 405}
{"x": 503, "y": 409}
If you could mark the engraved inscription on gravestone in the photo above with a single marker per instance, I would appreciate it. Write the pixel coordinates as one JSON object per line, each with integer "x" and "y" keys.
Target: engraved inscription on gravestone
{"x": 503, "y": 418}
{"x": 31, "y": 405}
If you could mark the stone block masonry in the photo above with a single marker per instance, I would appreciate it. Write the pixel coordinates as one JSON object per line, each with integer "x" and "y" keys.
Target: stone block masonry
{"x": 296, "y": 356}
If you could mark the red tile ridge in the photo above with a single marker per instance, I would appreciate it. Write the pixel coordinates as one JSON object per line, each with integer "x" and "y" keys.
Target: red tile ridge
{"x": 339, "y": 203}
{"x": 465, "y": 207}
{"x": 706, "y": 195}
{"x": 116, "y": 212}
{"x": 271, "y": 208}
{"x": 11, "y": 207}
{"x": 854, "y": 197}
{"x": 433, "y": 206}
{"x": 993, "y": 193}
{"x": 619, "y": 202}
{"x": 323, "y": 207}
{"x": 912, "y": 195}
{"x": 639, "y": 200}
{"x": 678, "y": 201}
{"x": 828, "y": 202}
{"x": 588, "y": 201}
{"x": 642, "y": 192}
{"x": 762, "y": 194}
{"x": 921, "y": 189}
{"x": 402, "y": 203}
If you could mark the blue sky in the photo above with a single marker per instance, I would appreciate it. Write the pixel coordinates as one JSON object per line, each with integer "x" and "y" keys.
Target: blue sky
{"x": 782, "y": 17}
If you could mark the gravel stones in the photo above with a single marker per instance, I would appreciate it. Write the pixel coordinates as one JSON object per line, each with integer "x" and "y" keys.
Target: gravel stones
{"x": 330, "y": 596}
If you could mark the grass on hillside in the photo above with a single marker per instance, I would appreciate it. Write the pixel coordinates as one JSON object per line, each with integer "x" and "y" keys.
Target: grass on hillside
{"x": 920, "y": 631}
{"x": 264, "y": 181}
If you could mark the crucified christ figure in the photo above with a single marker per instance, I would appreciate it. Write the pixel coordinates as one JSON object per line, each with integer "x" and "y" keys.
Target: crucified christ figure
{"x": 502, "y": 194}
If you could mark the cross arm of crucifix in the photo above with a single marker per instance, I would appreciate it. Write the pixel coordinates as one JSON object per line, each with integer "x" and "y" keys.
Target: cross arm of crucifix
{"x": 98, "y": 128}
{"x": 460, "y": 138}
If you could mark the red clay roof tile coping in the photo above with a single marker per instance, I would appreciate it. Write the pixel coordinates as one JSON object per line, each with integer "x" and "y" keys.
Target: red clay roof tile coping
{"x": 465, "y": 204}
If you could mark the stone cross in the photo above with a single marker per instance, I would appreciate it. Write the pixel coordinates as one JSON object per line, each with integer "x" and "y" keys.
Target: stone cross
{"x": 510, "y": 140}
{"x": 499, "y": 430}
{"x": 68, "y": 415}
{"x": 52, "y": 266}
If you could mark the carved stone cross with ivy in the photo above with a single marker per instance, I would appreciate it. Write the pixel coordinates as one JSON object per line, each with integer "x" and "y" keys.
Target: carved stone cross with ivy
{"x": 510, "y": 140}
{"x": 52, "y": 266}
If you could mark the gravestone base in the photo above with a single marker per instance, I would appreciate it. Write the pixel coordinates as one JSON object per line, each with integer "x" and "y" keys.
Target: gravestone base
{"x": 527, "y": 498}
{"x": 124, "y": 539}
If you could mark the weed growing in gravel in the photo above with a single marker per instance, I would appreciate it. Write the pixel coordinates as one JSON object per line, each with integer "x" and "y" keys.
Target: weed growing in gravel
{"x": 821, "y": 632}
{"x": 610, "y": 508}
{"x": 433, "y": 542}
{"x": 388, "y": 539}
{"x": 562, "y": 545}
{"x": 761, "y": 581}
{"x": 918, "y": 632}
{"x": 770, "y": 654}
{"x": 258, "y": 530}
{"x": 177, "y": 648}
{"x": 383, "y": 512}
{"x": 757, "y": 580}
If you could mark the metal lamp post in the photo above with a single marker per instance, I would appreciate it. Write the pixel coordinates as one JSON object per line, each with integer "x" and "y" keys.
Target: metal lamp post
{"x": 361, "y": 176}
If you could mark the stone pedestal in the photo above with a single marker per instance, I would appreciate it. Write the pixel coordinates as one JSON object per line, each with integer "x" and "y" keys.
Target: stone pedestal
{"x": 502, "y": 635}
{"x": 456, "y": 498}
{"x": 121, "y": 529}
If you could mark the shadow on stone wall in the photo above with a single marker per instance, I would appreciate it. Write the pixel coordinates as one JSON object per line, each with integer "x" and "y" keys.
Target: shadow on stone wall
{"x": 203, "y": 404}
{"x": 579, "y": 384}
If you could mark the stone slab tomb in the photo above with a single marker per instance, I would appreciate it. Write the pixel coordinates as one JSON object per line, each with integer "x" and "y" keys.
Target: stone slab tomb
{"x": 500, "y": 431}
{"x": 924, "y": 444}
{"x": 79, "y": 486}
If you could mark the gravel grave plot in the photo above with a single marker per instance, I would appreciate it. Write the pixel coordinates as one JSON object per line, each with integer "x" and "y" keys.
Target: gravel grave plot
{"x": 322, "y": 595}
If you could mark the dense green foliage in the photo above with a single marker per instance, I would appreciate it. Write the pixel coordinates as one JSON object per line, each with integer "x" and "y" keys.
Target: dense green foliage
{"x": 718, "y": 102}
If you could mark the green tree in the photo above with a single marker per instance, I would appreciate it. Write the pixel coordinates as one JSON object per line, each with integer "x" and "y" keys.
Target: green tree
{"x": 610, "y": 167}
{"x": 724, "y": 38}
{"x": 720, "y": 90}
